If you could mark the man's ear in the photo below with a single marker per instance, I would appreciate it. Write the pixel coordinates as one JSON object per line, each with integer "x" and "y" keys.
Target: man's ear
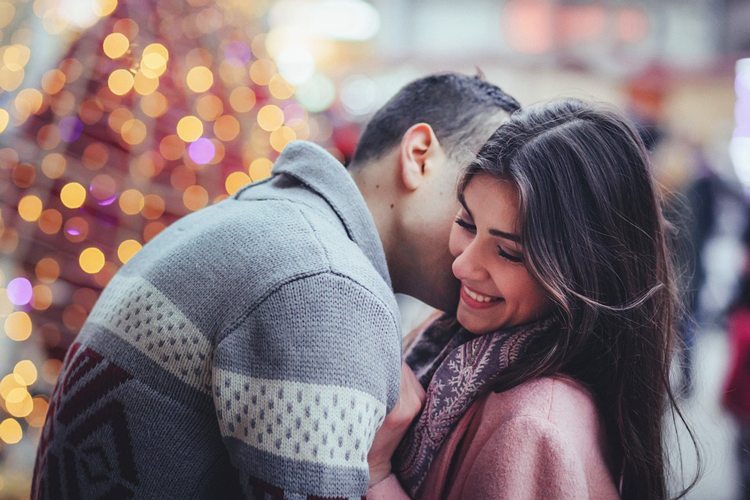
{"x": 417, "y": 145}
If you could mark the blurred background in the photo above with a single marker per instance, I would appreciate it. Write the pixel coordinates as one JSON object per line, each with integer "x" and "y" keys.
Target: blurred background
{"x": 118, "y": 118}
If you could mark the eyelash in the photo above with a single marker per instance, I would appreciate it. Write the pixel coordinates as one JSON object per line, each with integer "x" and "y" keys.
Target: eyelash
{"x": 473, "y": 229}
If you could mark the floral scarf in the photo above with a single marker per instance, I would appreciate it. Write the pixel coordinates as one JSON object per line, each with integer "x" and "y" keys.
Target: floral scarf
{"x": 459, "y": 367}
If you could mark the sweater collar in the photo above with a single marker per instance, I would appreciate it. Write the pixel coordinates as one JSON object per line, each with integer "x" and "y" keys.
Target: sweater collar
{"x": 325, "y": 175}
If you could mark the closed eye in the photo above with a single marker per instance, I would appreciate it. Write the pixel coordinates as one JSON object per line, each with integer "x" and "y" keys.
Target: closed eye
{"x": 508, "y": 256}
{"x": 469, "y": 227}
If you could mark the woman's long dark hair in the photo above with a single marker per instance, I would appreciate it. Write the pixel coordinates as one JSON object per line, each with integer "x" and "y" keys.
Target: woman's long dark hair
{"x": 595, "y": 238}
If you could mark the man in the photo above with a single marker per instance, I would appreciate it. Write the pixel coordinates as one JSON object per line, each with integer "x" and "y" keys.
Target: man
{"x": 254, "y": 347}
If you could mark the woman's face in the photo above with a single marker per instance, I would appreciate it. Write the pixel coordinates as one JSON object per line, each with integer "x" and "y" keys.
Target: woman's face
{"x": 496, "y": 288}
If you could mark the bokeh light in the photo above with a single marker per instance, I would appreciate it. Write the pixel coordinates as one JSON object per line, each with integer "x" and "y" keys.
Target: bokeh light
{"x": 30, "y": 208}
{"x": 127, "y": 249}
{"x": 17, "y": 326}
{"x": 91, "y": 260}
{"x": 19, "y": 291}
{"x": 10, "y": 431}
{"x": 73, "y": 195}
{"x": 189, "y": 128}
{"x": 116, "y": 45}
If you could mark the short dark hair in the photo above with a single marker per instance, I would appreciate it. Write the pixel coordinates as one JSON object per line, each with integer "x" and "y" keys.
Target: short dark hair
{"x": 459, "y": 108}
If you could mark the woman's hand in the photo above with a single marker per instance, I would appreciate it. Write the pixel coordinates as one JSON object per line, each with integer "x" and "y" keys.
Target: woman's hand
{"x": 409, "y": 404}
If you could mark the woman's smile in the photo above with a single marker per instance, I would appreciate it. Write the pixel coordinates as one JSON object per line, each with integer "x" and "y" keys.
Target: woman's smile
{"x": 477, "y": 300}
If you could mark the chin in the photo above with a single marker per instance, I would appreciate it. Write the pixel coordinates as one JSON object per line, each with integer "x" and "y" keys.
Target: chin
{"x": 472, "y": 323}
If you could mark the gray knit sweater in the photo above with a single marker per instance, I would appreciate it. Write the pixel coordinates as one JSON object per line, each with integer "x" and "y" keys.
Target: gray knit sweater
{"x": 252, "y": 348}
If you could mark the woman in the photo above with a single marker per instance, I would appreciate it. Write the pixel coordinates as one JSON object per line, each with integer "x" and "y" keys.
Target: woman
{"x": 556, "y": 380}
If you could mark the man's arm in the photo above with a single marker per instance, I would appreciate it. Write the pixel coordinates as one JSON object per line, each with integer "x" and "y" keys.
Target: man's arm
{"x": 302, "y": 384}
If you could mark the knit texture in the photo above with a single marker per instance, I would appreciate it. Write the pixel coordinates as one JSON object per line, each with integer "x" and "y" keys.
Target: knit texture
{"x": 252, "y": 349}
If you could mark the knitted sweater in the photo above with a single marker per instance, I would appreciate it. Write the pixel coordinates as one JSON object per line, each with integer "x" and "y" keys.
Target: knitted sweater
{"x": 251, "y": 349}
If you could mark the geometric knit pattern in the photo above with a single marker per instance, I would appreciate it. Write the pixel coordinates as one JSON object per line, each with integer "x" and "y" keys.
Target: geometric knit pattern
{"x": 137, "y": 312}
{"x": 251, "y": 349}
{"x": 315, "y": 423}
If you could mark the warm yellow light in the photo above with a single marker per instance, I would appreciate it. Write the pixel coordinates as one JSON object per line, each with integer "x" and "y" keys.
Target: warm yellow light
{"x": 145, "y": 85}
{"x": 235, "y": 181}
{"x": 153, "y": 207}
{"x": 209, "y": 107}
{"x": 18, "y": 326}
{"x": 16, "y": 56}
{"x": 242, "y": 99}
{"x": 133, "y": 131}
{"x": 39, "y": 413}
{"x": 195, "y": 197}
{"x": 199, "y": 79}
{"x": 281, "y": 137}
{"x": 120, "y": 81}
{"x": 53, "y": 81}
{"x": 118, "y": 118}
{"x": 30, "y": 208}
{"x": 280, "y": 88}
{"x": 7, "y": 13}
{"x": 153, "y": 65}
{"x": 116, "y": 45}
{"x": 19, "y": 403}
{"x": 270, "y": 117}
{"x": 131, "y": 201}
{"x": 226, "y": 128}
{"x": 10, "y": 431}
{"x": 127, "y": 249}
{"x": 262, "y": 71}
{"x": 189, "y": 128}
{"x": 26, "y": 370}
{"x": 9, "y": 383}
{"x": 4, "y": 119}
{"x": 11, "y": 80}
{"x": 41, "y": 299}
{"x": 156, "y": 48}
{"x": 154, "y": 60}
{"x": 73, "y": 195}
{"x": 260, "y": 169}
{"x": 104, "y": 7}
{"x": 154, "y": 105}
{"x": 53, "y": 165}
{"x": 91, "y": 260}
{"x": 28, "y": 101}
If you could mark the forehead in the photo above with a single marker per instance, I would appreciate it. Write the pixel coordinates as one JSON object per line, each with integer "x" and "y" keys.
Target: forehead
{"x": 493, "y": 203}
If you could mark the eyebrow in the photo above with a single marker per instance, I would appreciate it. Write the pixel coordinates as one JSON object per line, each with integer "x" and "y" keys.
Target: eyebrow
{"x": 493, "y": 232}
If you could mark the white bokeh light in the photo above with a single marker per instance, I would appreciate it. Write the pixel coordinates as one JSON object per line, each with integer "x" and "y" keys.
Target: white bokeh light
{"x": 359, "y": 95}
{"x": 296, "y": 65}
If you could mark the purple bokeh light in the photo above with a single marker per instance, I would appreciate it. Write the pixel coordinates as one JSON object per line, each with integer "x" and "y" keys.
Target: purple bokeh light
{"x": 70, "y": 128}
{"x": 108, "y": 201}
{"x": 74, "y": 232}
{"x": 19, "y": 291}
{"x": 237, "y": 53}
{"x": 202, "y": 151}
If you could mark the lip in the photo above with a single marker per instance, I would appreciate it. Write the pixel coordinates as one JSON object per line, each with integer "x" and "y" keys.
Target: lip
{"x": 475, "y": 304}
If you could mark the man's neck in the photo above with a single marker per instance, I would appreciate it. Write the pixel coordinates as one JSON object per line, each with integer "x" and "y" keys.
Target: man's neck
{"x": 380, "y": 197}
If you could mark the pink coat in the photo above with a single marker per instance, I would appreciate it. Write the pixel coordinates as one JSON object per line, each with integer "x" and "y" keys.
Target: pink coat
{"x": 540, "y": 440}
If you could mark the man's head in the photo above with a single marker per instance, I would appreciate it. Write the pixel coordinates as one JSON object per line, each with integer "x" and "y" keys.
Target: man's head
{"x": 407, "y": 163}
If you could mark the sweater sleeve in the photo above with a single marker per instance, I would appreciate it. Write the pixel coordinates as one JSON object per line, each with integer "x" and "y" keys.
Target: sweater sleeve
{"x": 527, "y": 458}
{"x": 302, "y": 384}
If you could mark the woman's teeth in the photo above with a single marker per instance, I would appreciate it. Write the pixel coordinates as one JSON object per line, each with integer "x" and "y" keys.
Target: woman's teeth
{"x": 478, "y": 297}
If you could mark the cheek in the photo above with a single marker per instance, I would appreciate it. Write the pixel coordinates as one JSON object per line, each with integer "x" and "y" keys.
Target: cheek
{"x": 454, "y": 243}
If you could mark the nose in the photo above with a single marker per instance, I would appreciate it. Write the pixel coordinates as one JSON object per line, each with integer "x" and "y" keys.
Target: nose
{"x": 468, "y": 265}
